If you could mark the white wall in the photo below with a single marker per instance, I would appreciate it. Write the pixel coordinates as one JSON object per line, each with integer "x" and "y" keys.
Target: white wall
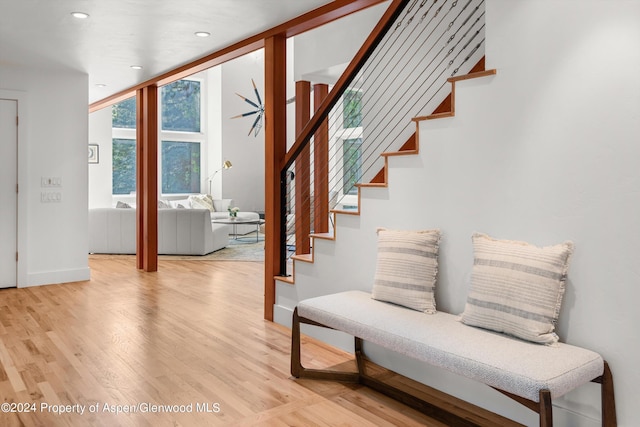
{"x": 53, "y": 145}
{"x": 318, "y": 51}
{"x": 244, "y": 183}
{"x": 100, "y": 174}
{"x": 545, "y": 151}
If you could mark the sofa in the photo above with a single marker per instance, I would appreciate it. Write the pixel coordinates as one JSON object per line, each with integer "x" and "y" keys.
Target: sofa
{"x": 180, "y": 231}
{"x": 219, "y": 210}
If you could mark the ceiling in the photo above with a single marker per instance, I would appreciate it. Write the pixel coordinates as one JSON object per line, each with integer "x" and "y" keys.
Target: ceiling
{"x": 158, "y": 35}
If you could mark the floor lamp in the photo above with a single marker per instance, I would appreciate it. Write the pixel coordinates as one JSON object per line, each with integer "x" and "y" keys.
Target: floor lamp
{"x": 226, "y": 165}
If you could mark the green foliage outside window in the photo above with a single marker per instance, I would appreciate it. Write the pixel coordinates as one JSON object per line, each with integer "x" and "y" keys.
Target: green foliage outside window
{"x": 180, "y": 167}
{"x": 352, "y": 164}
{"x": 352, "y": 109}
{"x": 181, "y": 106}
{"x": 123, "y": 114}
{"x": 124, "y": 166}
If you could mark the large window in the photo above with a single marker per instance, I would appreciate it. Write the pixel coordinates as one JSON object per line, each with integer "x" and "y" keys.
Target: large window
{"x": 123, "y": 114}
{"x": 180, "y": 167}
{"x": 124, "y": 166}
{"x": 181, "y": 106}
{"x": 180, "y": 157}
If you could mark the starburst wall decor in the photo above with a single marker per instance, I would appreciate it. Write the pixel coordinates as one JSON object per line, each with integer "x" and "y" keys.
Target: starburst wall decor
{"x": 259, "y": 110}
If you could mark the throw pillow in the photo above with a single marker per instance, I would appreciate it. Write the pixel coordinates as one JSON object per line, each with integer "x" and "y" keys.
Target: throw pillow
{"x": 123, "y": 205}
{"x": 201, "y": 201}
{"x": 406, "y": 268}
{"x": 517, "y": 288}
{"x": 163, "y": 205}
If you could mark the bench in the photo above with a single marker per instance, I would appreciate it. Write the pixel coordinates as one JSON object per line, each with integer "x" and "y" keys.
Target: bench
{"x": 531, "y": 374}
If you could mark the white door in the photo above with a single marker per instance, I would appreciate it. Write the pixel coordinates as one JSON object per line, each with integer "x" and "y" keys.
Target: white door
{"x": 8, "y": 192}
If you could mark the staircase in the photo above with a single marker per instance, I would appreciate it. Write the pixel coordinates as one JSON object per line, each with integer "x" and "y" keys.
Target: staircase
{"x": 408, "y": 66}
{"x": 409, "y": 148}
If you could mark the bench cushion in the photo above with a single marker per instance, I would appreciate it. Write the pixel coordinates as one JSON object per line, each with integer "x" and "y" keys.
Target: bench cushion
{"x": 509, "y": 364}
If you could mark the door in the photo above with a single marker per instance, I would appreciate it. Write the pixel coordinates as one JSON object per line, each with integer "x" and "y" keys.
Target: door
{"x": 8, "y": 192}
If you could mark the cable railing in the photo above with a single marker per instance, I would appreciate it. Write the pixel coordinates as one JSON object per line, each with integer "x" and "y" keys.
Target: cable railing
{"x": 403, "y": 76}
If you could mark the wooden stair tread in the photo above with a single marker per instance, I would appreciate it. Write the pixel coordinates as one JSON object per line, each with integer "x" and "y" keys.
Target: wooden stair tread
{"x": 433, "y": 116}
{"x": 286, "y": 279}
{"x": 325, "y": 236}
{"x": 400, "y": 153}
{"x": 474, "y": 75}
{"x": 303, "y": 257}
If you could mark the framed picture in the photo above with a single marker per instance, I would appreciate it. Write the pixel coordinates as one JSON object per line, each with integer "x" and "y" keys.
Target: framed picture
{"x": 94, "y": 153}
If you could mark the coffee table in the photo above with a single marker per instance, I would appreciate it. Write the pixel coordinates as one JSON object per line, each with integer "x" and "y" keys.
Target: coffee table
{"x": 240, "y": 220}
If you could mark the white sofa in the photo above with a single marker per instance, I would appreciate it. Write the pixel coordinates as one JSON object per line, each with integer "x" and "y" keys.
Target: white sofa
{"x": 221, "y": 211}
{"x": 180, "y": 231}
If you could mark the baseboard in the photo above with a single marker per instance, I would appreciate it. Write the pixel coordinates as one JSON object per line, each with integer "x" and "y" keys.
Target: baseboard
{"x": 282, "y": 315}
{"x": 56, "y": 277}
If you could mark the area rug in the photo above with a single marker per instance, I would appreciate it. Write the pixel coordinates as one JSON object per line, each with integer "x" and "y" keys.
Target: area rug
{"x": 245, "y": 248}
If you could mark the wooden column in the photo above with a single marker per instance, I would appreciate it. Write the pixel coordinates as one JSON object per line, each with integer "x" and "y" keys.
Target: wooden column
{"x": 321, "y": 165}
{"x": 147, "y": 178}
{"x": 303, "y": 172}
{"x": 275, "y": 65}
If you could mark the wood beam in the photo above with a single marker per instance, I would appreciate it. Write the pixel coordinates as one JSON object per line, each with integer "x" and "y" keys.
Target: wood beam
{"x": 303, "y": 172}
{"x": 321, "y": 165}
{"x": 275, "y": 61}
{"x": 147, "y": 178}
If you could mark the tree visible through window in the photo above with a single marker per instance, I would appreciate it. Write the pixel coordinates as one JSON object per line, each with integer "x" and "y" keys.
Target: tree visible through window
{"x": 123, "y": 114}
{"x": 181, "y": 106}
{"x": 352, "y": 164}
{"x": 352, "y": 108}
{"x": 124, "y": 166}
{"x": 180, "y": 167}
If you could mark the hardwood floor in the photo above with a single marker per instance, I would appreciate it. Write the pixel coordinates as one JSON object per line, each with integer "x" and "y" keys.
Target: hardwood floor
{"x": 191, "y": 334}
{"x": 189, "y": 338}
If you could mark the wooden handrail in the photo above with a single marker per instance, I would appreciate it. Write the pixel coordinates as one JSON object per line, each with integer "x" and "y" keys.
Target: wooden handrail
{"x": 358, "y": 61}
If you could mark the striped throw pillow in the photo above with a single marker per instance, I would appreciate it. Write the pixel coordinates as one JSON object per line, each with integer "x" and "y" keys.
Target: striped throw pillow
{"x": 517, "y": 288}
{"x": 406, "y": 268}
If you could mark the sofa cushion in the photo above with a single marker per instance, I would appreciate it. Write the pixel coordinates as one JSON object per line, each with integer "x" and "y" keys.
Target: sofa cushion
{"x": 222, "y": 205}
{"x": 202, "y": 201}
{"x": 406, "y": 268}
{"x": 180, "y": 204}
{"x": 517, "y": 288}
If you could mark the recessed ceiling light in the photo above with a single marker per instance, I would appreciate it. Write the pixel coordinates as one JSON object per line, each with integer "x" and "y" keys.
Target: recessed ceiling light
{"x": 137, "y": 67}
{"x": 80, "y": 15}
{"x": 202, "y": 34}
{"x": 101, "y": 85}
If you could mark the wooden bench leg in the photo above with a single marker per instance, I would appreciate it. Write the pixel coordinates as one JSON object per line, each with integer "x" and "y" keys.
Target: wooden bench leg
{"x": 299, "y": 371}
{"x": 545, "y": 409}
{"x": 609, "y": 418}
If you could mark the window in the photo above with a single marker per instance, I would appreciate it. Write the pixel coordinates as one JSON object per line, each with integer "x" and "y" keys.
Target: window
{"x": 180, "y": 146}
{"x": 180, "y": 167}
{"x": 124, "y": 166}
{"x": 181, "y": 106}
{"x": 352, "y": 164}
{"x": 352, "y": 109}
{"x": 123, "y": 114}
{"x": 351, "y": 140}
